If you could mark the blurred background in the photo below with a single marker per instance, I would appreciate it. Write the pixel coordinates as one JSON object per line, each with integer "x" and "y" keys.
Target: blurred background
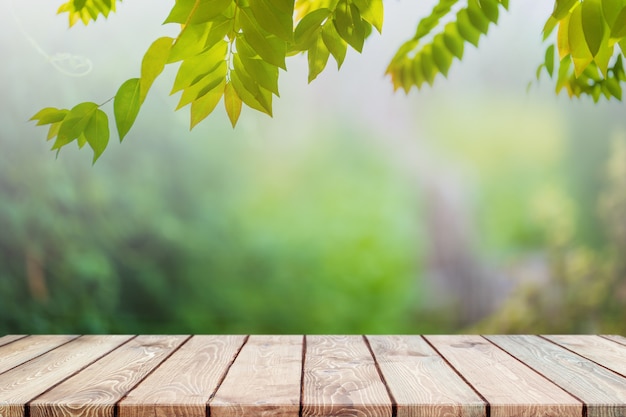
{"x": 477, "y": 205}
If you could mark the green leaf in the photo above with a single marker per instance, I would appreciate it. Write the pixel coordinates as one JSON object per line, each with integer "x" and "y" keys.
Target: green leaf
{"x": 97, "y": 133}
{"x": 564, "y": 72}
{"x": 453, "y": 40}
{"x": 317, "y": 58}
{"x": 563, "y": 7}
{"x": 335, "y": 44}
{"x": 271, "y": 48}
{"x": 309, "y": 27}
{"x": 49, "y": 115}
{"x": 54, "y": 130}
{"x": 611, "y": 10}
{"x": 581, "y": 56}
{"x": 265, "y": 74}
{"x": 593, "y": 24}
{"x": 441, "y": 56}
{"x": 74, "y": 123}
{"x": 153, "y": 64}
{"x": 193, "y": 68}
{"x": 232, "y": 102}
{"x": 190, "y": 12}
{"x": 549, "y": 60}
{"x": 249, "y": 89}
{"x": 272, "y": 19}
{"x": 372, "y": 12}
{"x": 489, "y": 9}
{"x": 466, "y": 29}
{"x": 477, "y": 17}
{"x": 417, "y": 72}
{"x": 429, "y": 69}
{"x": 190, "y": 42}
{"x": 202, "y": 107}
{"x": 204, "y": 85}
{"x": 349, "y": 25}
{"x": 126, "y": 106}
{"x": 618, "y": 30}
{"x": 549, "y": 27}
{"x": 562, "y": 39}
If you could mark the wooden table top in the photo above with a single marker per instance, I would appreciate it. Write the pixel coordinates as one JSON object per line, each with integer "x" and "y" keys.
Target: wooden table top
{"x": 360, "y": 376}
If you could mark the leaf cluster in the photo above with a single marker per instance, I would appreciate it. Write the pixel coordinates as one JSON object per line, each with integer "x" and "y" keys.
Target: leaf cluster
{"x": 590, "y": 45}
{"x": 232, "y": 51}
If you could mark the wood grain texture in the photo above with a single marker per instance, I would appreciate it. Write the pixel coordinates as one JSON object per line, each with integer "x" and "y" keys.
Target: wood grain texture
{"x": 510, "y": 387}
{"x": 20, "y": 385}
{"x": 618, "y": 339}
{"x": 341, "y": 379}
{"x": 598, "y": 349}
{"x": 421, "y": 382}
{"x": 182, "y": 386}
{"x": 25, "y": 349}
{"x": 94, "y": 391}
{"x": 264, "y": 380}
{"x": 4, "y": 340}
{"x": 603, "y": 391}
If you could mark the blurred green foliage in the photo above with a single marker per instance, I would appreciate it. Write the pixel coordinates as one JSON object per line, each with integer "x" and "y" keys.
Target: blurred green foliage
{"x": 215, "y": 237}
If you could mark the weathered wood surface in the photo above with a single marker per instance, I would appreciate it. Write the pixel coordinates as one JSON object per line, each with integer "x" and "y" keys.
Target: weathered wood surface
{"x": 316, "y": 376}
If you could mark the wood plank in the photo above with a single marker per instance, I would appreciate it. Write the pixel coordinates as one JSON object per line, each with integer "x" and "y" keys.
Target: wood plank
{"x": 4, "y": 340}
{"x": 20, "y": 385}
{"x": 264, "y": 380}
{"x": 603, "y": 391}
{"x": 616, "y": 338}
{"x": 94, "y": 391}
{"x": 182, "y": 385}
{"x": 341, "y": 379}
{"x": 421, "y": 382}
{"x": 598, "y": 349}
{"x": 510, "y": 387}
{"x": 25, "y": 349}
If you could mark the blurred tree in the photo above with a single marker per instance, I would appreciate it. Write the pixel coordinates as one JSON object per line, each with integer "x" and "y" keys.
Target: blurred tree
{"x": 232, "y": 50}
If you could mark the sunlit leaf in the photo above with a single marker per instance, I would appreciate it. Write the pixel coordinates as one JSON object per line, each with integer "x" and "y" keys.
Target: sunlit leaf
{"x": 232, "y": 103}
{"x": 74, "y": 123}
{"x": 549, "y": 60}
{"x": 265, "y": 74}
{"x": 453, "y": 41}
{"x": 441, "y": 56}
{"x": 593, "y": 24}
{"x": 489, "y": 9}
{"x": 581, "y": 56}
{"x": 335, "y": 44}
{"x": 126, "y": 106}
{"x": 249, "y": 89}
{"x": 97, "y": 133}
{"x": 190, "y": 12}
{"x": 549, "y": 27}
{"x": 192, "y": 69}
{"x": 309, "y": 27}
{"x": 417, "y": 72}
{"x": 272, "y": 19}
{"x": 271, "y": 48}
{"x": 466, "y": 29}
{"x": 349, "y": 25}
{"x": 204, "y": 84}
{"x": 190, "y": 42}
{"x": 562, "y": 40}
{"x": 563, "y": 7}
{"x": 153, "y": 63}
{"x": 618, "y": 30}
{"x": 372, "y": 12}
{"x": 49, "y": 115}
{"x": 317, "y": 57}
{"x": 477, "y": 17}
{"x": 202, "y": 107}
{"x": 54, "y": 130}
{"x": 611, "y": 10}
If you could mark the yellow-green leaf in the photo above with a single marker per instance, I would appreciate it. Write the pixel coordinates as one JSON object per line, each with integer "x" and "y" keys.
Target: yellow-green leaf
{"x": 74, "y": 123}
{"x": 490, "y": 9}
{"x": 563, "y": 7}
{"x": 205, "y": 105}
{"x": 428, "y": 65}
{"x": 466, "y": 29}
{"x": 97, "y": 133}
{"x": 54, "y": 130}
{"x": 618, "y": 30}
{"x": 153, "y": 63}
{"x": 271, "y": 48}
{"x": 272, "y": 19}
{"x": 265, "y": 74}
{"x": 453, "y": 40}
{"x": 549, "y": 60}
{"x": 562, "y": 39}
{"x": 372, "y": 12}
{"x": 477, "y": 17}
{"x": 317, "y": 56}
{"x": 190, "y": 12}
{"x": 335, "y": 44}
{"x": 441, "y": 56}
{"x": 611, "y": 10}
{"x": 581, "y": 56}
{"x": 232, "y": 103}
{"x": 49, "y": 115}
{"x": 593, "y": 24}
{"x": 126, "y": 106}
{"x": 194, "y": 68}
{"x": 308, "y": 28}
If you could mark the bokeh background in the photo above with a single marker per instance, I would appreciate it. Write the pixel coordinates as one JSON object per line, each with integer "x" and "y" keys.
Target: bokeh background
{"x": 483, "y": 204}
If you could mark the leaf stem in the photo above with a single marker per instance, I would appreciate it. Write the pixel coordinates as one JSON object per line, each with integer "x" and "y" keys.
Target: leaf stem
{"x": 100, "y": 105}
